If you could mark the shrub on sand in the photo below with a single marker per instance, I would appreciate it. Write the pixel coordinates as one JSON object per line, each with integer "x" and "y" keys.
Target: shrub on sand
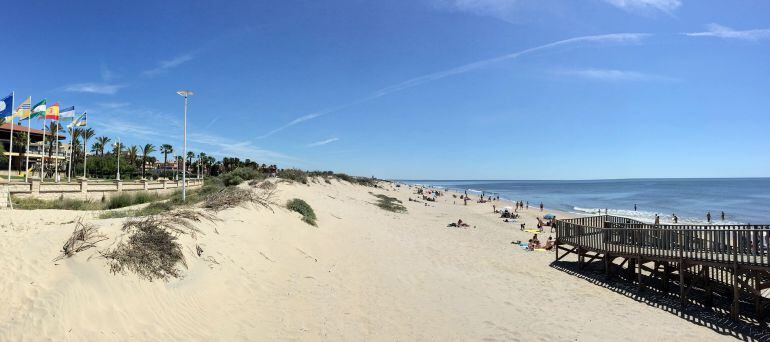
{"x": 293, "y": 175}
{"x": 84, "y": 236}
{"x": 300, "y": 206}
{"x": 152, "y": 250}
{"x": 390, "y": 203}
{"x": 232, "y": 197}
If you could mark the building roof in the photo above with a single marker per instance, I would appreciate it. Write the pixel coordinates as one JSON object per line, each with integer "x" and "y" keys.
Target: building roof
{"x": 6, "y": 127}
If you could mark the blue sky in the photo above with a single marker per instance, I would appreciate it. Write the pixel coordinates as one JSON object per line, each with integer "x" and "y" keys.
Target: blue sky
{"x": 439, "y": 89}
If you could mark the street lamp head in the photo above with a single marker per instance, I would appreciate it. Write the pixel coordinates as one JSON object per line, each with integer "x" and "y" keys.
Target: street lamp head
{"x": 185, "y": 93}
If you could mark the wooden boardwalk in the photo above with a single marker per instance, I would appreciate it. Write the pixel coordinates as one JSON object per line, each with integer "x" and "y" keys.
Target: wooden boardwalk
{"x": 726, "y": 260}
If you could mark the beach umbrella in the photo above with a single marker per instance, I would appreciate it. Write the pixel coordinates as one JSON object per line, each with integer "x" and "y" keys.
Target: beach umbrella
{"x": 549, "y": 216}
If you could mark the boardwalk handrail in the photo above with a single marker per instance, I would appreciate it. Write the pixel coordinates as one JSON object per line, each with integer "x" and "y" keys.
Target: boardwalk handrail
{"x": 725, "y": 244}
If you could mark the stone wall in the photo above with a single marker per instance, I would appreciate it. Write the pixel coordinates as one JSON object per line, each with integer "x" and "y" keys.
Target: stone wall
{"x": 94, "y": 190}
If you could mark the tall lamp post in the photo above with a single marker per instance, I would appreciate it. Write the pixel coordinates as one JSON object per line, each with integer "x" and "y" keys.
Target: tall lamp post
{"x": 186, "y": 94}
{"x": 118, "y": 155}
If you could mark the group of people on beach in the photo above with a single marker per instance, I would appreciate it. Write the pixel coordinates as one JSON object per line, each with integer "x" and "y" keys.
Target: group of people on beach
{"x": 675, "y": 218}
{"x": 534, "y": 243}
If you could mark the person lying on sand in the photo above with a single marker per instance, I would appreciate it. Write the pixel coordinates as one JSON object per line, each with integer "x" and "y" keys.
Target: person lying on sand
{"x": 459, "y": 223}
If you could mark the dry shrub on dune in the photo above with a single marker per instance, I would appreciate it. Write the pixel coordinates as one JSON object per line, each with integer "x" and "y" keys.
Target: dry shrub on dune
{"x": 152, "y": 250}
{"x": 84, "y": 236}
{"x": 232, "y": 197}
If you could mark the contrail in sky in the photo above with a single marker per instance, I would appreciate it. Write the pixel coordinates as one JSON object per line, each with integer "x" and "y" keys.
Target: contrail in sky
{"x": 604, "y": 38}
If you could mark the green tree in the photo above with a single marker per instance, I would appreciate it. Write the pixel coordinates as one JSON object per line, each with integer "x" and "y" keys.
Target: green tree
{"x": 149, "y": 148}
{"x": 103, "y": 143}
{"x": 166, "y": 149}
{"x": 132, "y": 153}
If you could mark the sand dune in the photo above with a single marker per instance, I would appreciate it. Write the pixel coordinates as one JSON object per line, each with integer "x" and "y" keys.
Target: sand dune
{"x": 362, "y": 274}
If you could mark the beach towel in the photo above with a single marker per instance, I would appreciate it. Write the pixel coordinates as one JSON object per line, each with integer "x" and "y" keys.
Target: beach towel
{"x": 532, "y": 231}
{"x": 540, "y": 250}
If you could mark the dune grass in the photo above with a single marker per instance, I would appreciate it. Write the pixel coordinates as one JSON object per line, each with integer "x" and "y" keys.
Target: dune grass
{"x": 61, "y": 203}
{"x": 300, "y": 206}
{"x": 389, "y": 203}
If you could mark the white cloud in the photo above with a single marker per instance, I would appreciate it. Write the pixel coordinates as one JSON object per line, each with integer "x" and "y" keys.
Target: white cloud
{"x": 719, "y": 31}
{"x": 149, "y": 126}
{"x": 224, "y": 147}
{"x": 164, "y": 66}
{"x": 621, "y": 38}
{"x": 113, "y": 105}
{"x": 645, "y": 6}
{"x": 501, "y": 9}
{"x": 323, "y": 142}
{"x": 612, "y": 75}
{"x": 94, "y": 88}
{"x": 106, "y": 73}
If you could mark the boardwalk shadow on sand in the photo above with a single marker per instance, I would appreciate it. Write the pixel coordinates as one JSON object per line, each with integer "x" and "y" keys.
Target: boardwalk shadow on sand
{"x": 716, "y": 318}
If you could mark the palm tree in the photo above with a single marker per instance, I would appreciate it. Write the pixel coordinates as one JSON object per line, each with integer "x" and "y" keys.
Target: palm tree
{"x": 54, "y": 129}
{"x": 87, "y": 133}
{"x": 103, "y": 141}
{"x": 117, "y": 147}
{"x": 202, "y": 162}
{"x": 132, "y": 153}
{"x": 190, "y": 156}
{"x": 210, "y": 161}
{"x": 149, "y": 148}
{"x": 166, "y": 149}
{"x": 19, "y": 145}
{"x": 96, "y": 147}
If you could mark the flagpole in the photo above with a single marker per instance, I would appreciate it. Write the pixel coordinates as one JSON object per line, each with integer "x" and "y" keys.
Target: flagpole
{"x": 69, "y": 168}
{"x": 10, "y": 153}
{"x": 56, "y": 156}
{"x": 42, "y": 156}
{"x": 26, "y": 152}
{"x": 85, "y": 155}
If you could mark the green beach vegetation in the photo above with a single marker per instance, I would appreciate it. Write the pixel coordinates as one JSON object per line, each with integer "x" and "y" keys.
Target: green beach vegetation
{"x": 389, "y": 203}
{"x": 300, "y": 206}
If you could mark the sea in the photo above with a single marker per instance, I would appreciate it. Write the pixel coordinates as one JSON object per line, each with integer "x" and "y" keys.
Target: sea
{"x": 743, "y": 200}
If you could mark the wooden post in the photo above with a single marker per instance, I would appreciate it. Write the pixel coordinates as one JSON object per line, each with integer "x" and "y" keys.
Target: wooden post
{"x": 735, "y": 310}
{"x": 708, "y": 286}
{"x": 682, "y": 298}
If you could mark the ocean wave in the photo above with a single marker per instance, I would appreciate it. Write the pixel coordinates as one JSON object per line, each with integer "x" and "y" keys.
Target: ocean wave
{"x": 646, "y": 216}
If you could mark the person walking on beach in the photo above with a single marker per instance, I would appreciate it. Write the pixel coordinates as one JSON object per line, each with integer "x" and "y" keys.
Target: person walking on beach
{"x": 676, "y": 219}
{"x": 634, "y": 206}
{"x": 657, "y": 220}
{"x": 723, "y": 216}
{"x": 541, "y": 206}
{"x": 708, "y": 217}
{"x": 527, "y": 205}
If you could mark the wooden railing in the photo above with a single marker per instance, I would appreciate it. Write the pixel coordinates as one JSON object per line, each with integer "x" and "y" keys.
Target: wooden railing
{"x": 720, "y": 244}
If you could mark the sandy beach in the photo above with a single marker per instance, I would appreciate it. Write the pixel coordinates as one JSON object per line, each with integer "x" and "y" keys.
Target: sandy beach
{"x": 362, "y": 274}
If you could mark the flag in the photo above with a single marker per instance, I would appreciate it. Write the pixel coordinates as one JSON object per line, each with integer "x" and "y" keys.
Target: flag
{"x": 38, "y": 110}
{"x": 80, "y": 121}
{"x": 22, "y": 111}
{"x": 52, "y": 112}
{"x": 6, "y": 109}
{"x": 67, "y": 114}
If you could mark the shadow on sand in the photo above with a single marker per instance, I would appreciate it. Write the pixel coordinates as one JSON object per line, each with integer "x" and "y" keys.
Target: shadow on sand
{"x": 716, "y": 318}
